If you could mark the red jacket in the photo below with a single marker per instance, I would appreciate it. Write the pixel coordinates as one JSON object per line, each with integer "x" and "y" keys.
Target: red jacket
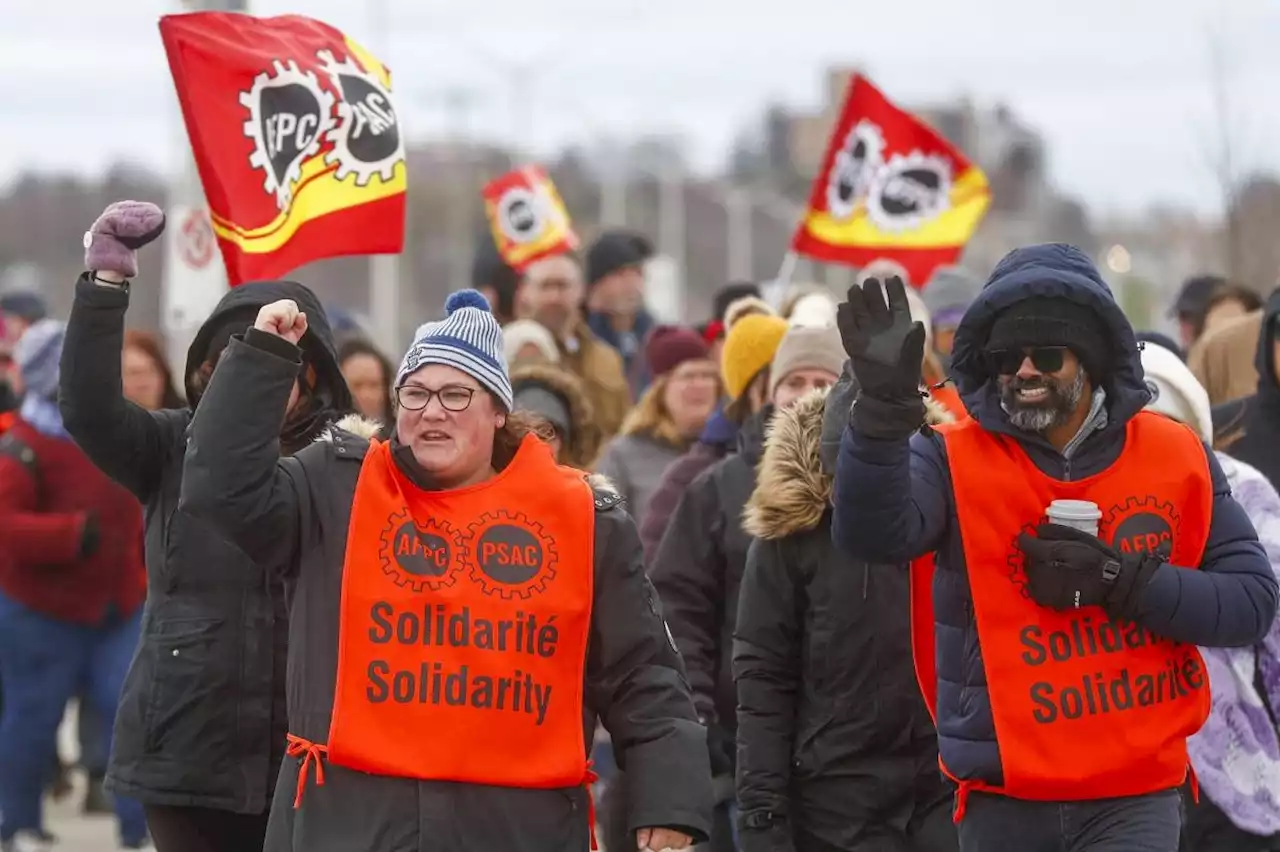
{"x": 42, "y": 520}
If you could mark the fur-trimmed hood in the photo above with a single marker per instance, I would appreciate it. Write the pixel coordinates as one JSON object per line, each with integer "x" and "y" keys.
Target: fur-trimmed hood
{"x": 356, "y": 424}
{"x": 584, "y": 440}
{"x": 792, "y": 491}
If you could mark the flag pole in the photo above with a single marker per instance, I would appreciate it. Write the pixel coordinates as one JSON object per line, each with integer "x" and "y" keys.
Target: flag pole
{"x": 774, "y": 291}
{"x": 384, "y": 269}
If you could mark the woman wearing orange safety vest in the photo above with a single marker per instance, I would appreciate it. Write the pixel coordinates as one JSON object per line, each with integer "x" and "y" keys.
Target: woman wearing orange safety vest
{"x": 463, "y": 609}
{"x": 1061, "y": 665}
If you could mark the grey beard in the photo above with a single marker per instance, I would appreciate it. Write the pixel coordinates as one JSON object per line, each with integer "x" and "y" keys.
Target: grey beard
{"x": 1037, "y": 419}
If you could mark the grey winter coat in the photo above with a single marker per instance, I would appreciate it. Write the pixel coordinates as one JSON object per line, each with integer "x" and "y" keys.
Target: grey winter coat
{"x": 295, "y": 514}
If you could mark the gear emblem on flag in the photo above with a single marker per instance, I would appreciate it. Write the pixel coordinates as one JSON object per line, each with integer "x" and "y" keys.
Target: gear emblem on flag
{"x": 289, "y": 114}
{"x": 366, "y": 138}
{"x": 909, "y": 191}
{"x": 855, "y": 165}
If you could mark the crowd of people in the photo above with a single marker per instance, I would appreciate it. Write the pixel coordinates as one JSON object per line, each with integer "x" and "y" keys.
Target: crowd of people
{"x": 560, "y": 576}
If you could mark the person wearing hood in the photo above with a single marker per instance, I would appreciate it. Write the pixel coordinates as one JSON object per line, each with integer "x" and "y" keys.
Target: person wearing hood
{"x": 1059, "y": 659}
{"x": 668, "y": 418}
{"x": 836, "y": 750}
{"x": 1236, "y": 755}
{"x": 615, "y": 299}
{"x": 1249, "y": 428}
{"x": 556, "y": 395}
{"x": 199, "y": 735}
{"x": 698, "y": 565}
{"x": 744, "y": 366}
{"x": 71, "y": 592}
{"x": 464, "y": 609}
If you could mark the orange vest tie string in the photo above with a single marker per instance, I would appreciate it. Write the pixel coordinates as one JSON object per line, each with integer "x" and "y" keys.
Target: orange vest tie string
{"x": 312, "y": 754}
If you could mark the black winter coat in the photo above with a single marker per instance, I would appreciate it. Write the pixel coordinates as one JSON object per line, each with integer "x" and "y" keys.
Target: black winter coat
{"x": 836, "y": 749}
{"x": 201, "y": 720}
{"x": 293, "y": 514}
{"x": 697, "y": 569}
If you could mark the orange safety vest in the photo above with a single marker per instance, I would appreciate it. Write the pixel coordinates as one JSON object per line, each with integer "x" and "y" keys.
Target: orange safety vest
{"x": 1084, "y": 707}
{"x": 463, "y": 628}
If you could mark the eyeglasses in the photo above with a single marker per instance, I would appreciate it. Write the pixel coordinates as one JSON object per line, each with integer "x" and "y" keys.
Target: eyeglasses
{"x": 1046, "y": 359}
{"x": 453, "y": 398}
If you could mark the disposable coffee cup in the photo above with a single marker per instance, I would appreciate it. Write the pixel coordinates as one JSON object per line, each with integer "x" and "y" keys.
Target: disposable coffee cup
{"x": 1078, "y": 514}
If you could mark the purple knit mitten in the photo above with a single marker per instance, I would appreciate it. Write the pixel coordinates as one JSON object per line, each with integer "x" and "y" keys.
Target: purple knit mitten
{"x": 112, "y": 244}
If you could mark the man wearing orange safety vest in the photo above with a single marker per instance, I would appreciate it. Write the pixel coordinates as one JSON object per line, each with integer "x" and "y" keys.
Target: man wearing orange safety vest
{"x": 462, "y": 609}
{"x": 1061, "y": 665}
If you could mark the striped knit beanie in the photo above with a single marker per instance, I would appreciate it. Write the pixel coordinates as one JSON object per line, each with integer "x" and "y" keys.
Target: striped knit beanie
{"x": 468, "y": 339}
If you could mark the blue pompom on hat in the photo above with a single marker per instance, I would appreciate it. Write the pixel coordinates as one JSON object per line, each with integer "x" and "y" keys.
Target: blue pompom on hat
{"x": 468, "y": 339}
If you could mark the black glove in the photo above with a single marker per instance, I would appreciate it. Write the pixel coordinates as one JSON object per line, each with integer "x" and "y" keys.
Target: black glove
{"x": 90, "y": 536}
{"x": 1067, "y": 569}
{"x": 721, "y": 748}
{"x": 775, "y": 837}
{"x": 886, "y": 348}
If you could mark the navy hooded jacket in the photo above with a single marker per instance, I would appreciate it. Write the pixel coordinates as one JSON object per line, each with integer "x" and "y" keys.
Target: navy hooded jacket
{"x": 894, "y": 502}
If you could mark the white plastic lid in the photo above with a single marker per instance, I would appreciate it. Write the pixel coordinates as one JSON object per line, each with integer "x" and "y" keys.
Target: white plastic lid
{"x": 1075, "y": 510}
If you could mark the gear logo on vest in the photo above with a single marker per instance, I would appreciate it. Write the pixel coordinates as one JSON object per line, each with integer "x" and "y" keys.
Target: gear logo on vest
{"x": 1016, "y": 562}
{"x": 420, "y": 556}
{"x": 511, "y": 555}
{"x": 1141, "y": 525}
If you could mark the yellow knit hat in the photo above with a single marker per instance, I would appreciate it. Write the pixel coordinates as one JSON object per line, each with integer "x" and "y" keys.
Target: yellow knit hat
{"x": 749, "y": 347}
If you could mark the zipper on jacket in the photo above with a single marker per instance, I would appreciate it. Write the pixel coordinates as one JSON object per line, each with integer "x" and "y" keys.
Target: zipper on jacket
{"x": 866, "y": 578}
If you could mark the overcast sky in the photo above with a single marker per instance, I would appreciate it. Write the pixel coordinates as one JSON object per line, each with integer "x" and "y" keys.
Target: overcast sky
{"x": 1121, "y": 89}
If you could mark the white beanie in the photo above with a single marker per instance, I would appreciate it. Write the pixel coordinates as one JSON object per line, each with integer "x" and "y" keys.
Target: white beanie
{"x": 814, "y": 310}
{"x": 1175, "y": 391}
{"x": 526, "y": 332}
{"x": 468, "y": 339}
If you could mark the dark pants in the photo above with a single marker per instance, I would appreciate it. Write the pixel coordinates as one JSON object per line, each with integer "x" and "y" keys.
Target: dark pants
{"x": 1208, "y": 829}
{"x": 44, "y": 663}
{"x": 92, "y": 733}
{"x": 205, "y": 830}
{"x": 1149, "y": 823}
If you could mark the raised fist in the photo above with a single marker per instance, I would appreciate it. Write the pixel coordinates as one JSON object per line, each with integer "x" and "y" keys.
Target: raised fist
{"x": 111, "y": 244}
{"x": 283, "y": 319}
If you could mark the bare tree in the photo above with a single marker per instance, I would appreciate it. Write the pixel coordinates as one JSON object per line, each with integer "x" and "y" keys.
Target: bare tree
{"x": 1224, "y": 153}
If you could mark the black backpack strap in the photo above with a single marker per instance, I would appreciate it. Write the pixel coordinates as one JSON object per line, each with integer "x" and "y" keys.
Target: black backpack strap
{"x": 13, "y": 447}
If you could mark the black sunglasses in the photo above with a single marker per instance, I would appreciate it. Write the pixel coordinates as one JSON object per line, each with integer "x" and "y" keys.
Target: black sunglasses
{"x": 1046, "y": 359}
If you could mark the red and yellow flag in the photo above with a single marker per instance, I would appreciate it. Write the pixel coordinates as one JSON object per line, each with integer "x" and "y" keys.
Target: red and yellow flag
{"x": 528, "y": 219}
{"x": 295, "y": 136}
{"x": 890, "y": 187}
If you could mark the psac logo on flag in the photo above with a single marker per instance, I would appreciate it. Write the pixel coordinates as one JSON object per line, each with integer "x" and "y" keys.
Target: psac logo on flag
{"x": 295, "y": 136}
{"x": 527, "y": 217}
{"x": 898, "y": 195}
{"x": 291, "y": 114}
{"x": 890, "y": 188}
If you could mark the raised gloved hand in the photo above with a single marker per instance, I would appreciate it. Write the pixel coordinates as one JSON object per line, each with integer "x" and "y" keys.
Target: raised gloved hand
{"x": 111, "y": 244}
{"x": 886, "y": 351}
{"x": 1067, "y": 569}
